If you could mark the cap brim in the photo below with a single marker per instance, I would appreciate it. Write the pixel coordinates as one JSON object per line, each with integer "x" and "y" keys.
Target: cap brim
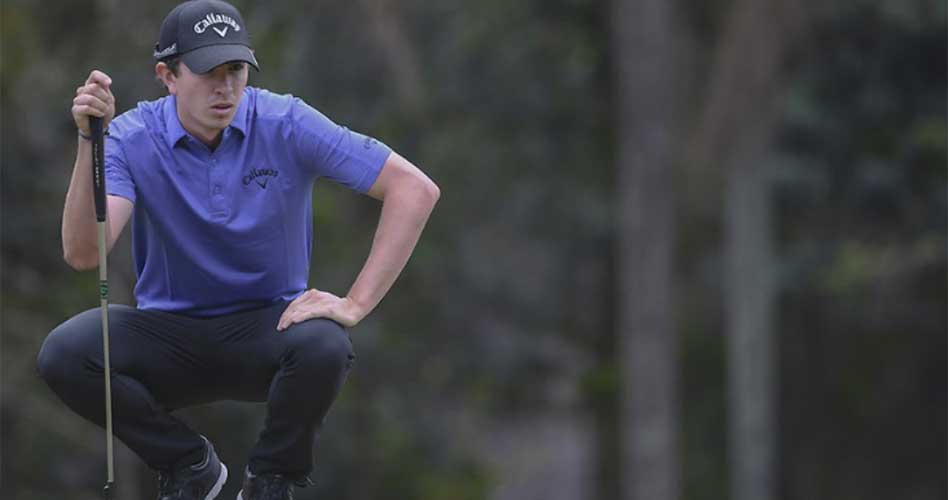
{"x": 204, "y": 59}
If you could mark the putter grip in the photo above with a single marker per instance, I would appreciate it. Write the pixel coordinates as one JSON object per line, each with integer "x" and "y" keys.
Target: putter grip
{"x": 98, "y": 167}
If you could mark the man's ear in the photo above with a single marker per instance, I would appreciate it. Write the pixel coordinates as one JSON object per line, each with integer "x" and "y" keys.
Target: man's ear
{"x": 164, "y": 73}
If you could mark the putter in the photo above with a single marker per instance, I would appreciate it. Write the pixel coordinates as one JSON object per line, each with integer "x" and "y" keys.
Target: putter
{"x": 98, "y": 184}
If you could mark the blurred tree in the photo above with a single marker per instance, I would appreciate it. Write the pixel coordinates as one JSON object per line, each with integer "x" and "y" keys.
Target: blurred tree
{"x": 734, "y": 139}
{"x": 645, "y": 61}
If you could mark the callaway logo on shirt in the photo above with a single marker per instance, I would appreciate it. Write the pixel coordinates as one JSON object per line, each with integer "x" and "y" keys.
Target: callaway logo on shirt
{"x": 211, "y": 19}
{"x": 261, "y": 176}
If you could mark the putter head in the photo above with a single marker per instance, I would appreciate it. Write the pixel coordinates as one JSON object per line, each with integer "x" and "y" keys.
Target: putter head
{"x": 107, "y": 490}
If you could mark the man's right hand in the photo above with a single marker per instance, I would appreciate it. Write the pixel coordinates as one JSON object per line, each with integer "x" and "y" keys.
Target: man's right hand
{"x": 94, "y": 98}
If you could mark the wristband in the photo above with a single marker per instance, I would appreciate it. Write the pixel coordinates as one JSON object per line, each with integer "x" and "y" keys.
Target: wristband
{"x": 89, "y": 137}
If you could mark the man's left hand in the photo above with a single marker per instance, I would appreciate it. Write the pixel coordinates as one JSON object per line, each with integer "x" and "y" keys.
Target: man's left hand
{"x": 317, "y": 304}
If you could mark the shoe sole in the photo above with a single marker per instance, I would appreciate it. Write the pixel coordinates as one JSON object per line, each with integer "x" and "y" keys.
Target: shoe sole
{"x": 220, "y": 484}
{"x": 240, "y": 495}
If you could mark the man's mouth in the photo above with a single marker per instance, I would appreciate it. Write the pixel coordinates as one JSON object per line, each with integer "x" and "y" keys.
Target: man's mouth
{"x": 223, "y": 106}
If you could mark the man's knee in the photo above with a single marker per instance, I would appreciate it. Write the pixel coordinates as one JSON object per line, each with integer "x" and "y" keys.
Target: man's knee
{"x": 65, "y": 352}
{"x": 323, "y": 342}
{"x": 55, "y": 358}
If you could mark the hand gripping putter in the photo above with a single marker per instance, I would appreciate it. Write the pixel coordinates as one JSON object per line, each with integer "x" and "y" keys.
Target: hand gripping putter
{"x": 98, "y": 185}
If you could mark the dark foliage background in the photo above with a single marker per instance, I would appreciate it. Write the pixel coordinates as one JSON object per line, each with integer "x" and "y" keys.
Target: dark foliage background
{"x": 492, "y": 369}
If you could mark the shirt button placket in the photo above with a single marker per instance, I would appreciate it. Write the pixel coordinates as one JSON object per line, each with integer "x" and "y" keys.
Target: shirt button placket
{"x": 217, "y": 197}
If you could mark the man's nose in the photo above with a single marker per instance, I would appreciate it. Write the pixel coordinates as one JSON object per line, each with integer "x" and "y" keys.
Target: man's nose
{"x": 225, "y": 83}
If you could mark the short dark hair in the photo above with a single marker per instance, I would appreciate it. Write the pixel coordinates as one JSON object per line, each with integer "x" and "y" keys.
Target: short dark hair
{"x": 173, "y": 62}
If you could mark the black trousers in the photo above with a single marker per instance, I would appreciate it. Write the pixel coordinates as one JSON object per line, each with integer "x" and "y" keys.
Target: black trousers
{"x": 161, "y": 362}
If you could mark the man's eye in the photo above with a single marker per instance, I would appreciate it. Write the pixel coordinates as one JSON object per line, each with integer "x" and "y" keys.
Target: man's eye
{"x": 236, "y": 67}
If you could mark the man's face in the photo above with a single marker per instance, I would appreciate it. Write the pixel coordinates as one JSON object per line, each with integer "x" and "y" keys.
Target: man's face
{"x": 208, "y": 102}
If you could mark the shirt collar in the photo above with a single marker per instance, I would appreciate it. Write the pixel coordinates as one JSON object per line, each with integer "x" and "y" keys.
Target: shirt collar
{"x": 240, "y": 118}
{"x": 176, "y": 131}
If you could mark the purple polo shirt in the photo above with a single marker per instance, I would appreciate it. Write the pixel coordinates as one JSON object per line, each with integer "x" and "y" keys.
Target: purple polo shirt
{"x": 220, "y": 231}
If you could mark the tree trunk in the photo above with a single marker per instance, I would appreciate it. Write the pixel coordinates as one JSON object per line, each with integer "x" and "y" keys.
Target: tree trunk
{"x": 735, "y": 132}
{"x": 400, "y": 58}
{"x": 643, "y": 39}
{"x": 751, "y": 289}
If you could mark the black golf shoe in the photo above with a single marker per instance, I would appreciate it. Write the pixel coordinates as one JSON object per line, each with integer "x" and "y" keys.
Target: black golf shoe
{"x": 201, "y": 481}
{"x": 270, "y": 486}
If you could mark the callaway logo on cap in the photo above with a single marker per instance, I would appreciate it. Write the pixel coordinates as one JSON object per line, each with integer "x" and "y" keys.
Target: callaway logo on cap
{"x": 206, "y": 34}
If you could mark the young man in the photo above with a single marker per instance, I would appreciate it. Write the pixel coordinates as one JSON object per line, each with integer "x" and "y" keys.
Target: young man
{"x": 218, "y": 177}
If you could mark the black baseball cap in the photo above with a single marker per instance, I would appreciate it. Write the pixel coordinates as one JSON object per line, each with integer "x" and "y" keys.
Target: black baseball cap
{"x": 206, "y": 34}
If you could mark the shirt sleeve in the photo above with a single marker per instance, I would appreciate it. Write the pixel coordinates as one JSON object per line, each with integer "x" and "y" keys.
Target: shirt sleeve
{"x": 335, "y": 152}
{"x": 118, "y": 178}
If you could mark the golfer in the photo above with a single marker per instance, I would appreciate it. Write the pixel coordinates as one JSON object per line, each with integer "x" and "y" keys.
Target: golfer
{"x": 217, "y": 179}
